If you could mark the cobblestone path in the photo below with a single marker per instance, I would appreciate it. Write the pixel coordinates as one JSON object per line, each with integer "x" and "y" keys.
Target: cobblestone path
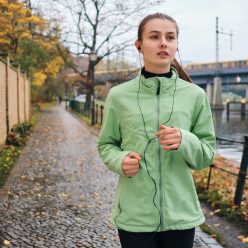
{"x": 64, "y": 194}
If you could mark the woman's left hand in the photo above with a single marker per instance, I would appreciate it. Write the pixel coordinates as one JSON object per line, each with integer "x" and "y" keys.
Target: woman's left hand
{"x": 170, "y": 137}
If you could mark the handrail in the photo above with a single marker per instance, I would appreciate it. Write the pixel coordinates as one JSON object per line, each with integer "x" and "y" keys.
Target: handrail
{"x": 229, "y": 140}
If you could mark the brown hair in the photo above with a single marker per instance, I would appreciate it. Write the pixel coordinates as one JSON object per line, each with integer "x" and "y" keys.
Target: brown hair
{"x": 151, "y": 17}
{"x": 182, "y": 73}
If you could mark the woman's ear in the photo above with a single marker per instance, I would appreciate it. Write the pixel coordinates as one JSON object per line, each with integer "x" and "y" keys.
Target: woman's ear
{"x": 138, "y": 45}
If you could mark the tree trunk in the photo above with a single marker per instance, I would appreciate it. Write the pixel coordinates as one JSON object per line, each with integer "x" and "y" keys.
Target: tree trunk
{"x": 89, "y": 87}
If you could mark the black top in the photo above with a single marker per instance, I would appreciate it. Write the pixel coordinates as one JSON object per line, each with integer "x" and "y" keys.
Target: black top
{"x": 148, "y": 74}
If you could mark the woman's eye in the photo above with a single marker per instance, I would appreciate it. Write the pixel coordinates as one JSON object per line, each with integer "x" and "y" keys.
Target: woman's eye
{"x": 154, "y": 37}
{"x": 170, "y": 38}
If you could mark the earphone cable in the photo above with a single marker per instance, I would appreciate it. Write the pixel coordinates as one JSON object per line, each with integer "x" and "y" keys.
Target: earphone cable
{"x": 145, "y": 150}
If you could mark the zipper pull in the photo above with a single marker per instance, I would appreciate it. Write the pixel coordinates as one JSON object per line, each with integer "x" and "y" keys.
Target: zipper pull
{"x": 158, "y": 89}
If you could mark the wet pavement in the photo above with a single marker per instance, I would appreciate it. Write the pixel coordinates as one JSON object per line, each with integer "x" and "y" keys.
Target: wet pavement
{"x": 60, "y": 191}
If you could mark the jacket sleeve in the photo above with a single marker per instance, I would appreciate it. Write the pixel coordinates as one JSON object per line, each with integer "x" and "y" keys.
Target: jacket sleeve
{"x": 109, "y": 141}
{"x": 198, "y": 145}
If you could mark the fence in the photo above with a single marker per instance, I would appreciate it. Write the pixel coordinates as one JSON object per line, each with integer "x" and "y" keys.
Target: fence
{"x": 79, "y": 107}
{"x": 15, "y": 98}
{"x": 242, "y": 176}
{"x": 238, "y": 107}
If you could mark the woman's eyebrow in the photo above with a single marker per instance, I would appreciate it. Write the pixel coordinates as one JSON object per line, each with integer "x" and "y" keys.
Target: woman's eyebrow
{"x": 158, "y": 32}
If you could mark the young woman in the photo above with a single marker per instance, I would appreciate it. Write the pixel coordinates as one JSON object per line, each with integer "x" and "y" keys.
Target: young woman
{"x": 156, "y": 128}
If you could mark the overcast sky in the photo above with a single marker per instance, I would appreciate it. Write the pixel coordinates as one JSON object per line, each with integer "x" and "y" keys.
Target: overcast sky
{"x": 197, "y": 20}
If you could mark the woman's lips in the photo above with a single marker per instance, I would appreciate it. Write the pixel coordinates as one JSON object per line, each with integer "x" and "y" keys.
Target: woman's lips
{"x": 163, "y": 54}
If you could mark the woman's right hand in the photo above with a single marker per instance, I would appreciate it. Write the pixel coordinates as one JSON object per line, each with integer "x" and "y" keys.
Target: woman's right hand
{"x": 130, "y": 164}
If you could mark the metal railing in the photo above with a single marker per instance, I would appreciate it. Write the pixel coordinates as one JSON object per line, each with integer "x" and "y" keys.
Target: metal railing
{"x": 242, "y": 176}
{"x": 80, "y": 108}
{"x": 242, "y": 108}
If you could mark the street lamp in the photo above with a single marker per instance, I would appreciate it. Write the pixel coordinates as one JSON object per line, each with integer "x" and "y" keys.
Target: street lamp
{"x": 93, "y": 59}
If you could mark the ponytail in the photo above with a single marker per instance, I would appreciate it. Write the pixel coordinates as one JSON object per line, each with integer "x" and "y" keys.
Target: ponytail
{"x": 181, "y": 72}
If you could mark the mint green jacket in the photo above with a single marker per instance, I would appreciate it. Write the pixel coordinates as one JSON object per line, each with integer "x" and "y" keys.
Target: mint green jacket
{"x": 162, "y": 195}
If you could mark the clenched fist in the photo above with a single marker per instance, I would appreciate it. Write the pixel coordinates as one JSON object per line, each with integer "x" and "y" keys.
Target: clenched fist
{"x": 170, "y": 137}
{"x": 130, "y": 164}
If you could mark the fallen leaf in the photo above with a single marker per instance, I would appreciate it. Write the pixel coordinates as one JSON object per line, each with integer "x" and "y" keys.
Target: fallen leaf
{"x": 115, "y": 237}
{"x": 217, "y": 211}
{"x": 217, "y": 224}
{"x": 245, "y": 240}
{"x": 6, "y": 242}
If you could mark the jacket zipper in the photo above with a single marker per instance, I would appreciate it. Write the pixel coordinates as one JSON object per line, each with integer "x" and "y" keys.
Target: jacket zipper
{"x": 159, "y": 159}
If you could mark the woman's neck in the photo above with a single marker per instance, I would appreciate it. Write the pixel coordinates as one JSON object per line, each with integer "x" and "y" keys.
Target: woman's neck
{"x": 148, "y": 74}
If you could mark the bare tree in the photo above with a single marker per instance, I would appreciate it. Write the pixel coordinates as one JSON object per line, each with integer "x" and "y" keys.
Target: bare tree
{"x": 101, "y": 26}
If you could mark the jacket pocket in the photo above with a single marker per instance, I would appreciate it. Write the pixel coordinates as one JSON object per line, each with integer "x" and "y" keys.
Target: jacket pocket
{"x": 135, "y": 203}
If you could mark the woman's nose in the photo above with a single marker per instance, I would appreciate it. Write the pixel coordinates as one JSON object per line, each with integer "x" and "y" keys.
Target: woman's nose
{"x": 163, "y": 42}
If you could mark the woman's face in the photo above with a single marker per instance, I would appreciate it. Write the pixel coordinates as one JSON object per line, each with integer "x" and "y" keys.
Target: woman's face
{"x": 158, "y": 45}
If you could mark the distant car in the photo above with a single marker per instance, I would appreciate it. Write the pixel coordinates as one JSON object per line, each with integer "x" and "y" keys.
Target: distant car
{"x": 81, "y": 98}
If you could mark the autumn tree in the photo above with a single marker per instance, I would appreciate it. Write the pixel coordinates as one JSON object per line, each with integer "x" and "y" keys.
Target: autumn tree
{"x": 14, "y": 22}
{"x": 31, "y": 41}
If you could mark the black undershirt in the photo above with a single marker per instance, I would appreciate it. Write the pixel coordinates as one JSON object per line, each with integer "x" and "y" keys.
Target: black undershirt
{"x": 148, "y": 74}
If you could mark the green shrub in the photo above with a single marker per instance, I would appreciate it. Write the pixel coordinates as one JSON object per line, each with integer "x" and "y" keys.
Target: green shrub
{"x": 15, "y": 141}
{"x": 18, "y": 133}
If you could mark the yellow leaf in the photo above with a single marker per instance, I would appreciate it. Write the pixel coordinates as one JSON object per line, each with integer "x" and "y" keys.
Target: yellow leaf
{"x": 245, "y": 240}
{"x": 39, "y": 78}
{"x": 54, "y": 66}
{"x": 6, "y": 242}
{"x": 10, "y": 193}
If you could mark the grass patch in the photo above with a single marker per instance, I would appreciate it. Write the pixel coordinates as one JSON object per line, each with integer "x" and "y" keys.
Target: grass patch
{"x": 85, "y": 119}
{"x": 221, "y": 192}
{"x": 205, "y": 228}
{"x": 7, "y": 158}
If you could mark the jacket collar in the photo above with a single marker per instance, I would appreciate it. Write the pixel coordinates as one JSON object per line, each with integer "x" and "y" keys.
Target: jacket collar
{"x": 155, "y": 85}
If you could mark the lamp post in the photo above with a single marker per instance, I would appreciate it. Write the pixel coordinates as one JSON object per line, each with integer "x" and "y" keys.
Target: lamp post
{"x": 93, "y": 59}
{"x": 66, "y": 93}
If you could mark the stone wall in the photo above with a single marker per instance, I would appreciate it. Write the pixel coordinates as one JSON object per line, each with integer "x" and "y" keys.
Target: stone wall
{"x": 15, "y": 99}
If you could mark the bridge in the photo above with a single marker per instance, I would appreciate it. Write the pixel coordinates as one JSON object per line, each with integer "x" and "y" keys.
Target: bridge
{"x": 233, "y": 76}
{"x": 230, "y": 72}
{"x": 223, "y": 77}
{"x": 218, "y": 78}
